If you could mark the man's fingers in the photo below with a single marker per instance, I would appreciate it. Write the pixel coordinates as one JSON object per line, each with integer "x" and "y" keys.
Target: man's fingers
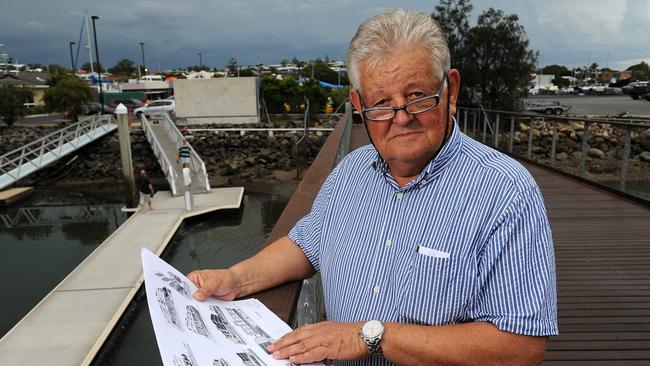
{"x": 315, "y": 354}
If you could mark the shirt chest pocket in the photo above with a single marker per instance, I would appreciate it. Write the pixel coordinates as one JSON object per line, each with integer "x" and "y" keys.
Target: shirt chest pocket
{"x": 429, "y": 293}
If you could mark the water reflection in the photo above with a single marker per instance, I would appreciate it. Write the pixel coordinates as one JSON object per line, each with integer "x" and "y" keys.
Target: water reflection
{"x": 215, "y": 241}
{"x": 43, "y": 239}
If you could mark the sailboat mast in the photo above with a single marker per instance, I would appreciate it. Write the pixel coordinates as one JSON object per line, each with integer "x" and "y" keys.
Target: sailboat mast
{"x": 90, "y": 45}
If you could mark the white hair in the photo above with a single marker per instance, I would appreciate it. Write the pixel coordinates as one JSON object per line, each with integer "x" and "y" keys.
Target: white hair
{"x": 392, "y": 31}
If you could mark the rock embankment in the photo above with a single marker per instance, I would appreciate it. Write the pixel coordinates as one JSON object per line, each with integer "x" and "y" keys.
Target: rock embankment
{"x": 604, "y": 154}
{"x": 254, "y": 156}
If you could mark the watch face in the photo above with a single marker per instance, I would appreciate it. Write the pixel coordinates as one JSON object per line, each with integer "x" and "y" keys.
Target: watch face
{"x": 372, "y": 329}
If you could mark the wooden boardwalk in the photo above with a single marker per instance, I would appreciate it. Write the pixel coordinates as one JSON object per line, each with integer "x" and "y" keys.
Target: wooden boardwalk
{"x": 602, "y": 245}
{"x": 602, "y": 250}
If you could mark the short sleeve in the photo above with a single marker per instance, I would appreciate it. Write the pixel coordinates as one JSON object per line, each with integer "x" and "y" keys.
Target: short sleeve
{"x": 307, "y": 231}
{"x": 515, "y": 287}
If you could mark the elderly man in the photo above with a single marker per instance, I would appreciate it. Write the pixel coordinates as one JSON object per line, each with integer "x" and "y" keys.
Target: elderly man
{"x": 433, "y": 248}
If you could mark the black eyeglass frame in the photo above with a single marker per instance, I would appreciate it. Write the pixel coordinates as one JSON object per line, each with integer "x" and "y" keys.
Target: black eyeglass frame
{"x": 404, "y": 107}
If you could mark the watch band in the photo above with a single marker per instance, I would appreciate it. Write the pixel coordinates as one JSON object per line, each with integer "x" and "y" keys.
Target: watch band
{"x": 373, "y": 343}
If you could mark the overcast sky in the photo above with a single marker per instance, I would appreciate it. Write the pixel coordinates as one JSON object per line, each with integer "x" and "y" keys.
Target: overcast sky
{"x": 566, "y": 32}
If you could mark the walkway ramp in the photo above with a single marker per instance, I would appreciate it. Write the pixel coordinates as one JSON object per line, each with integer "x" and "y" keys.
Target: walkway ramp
{"x": 70, "y": 324}
{"x": 165, "y": 139}
{"x": 19, "y": 163}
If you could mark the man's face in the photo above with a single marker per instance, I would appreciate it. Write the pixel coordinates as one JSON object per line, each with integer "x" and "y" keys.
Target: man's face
{"x": 142, "y": 172}
{"x": 407, "y": 142}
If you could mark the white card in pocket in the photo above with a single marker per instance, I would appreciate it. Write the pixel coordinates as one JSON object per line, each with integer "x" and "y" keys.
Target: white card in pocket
{"x": 432, "y": 252}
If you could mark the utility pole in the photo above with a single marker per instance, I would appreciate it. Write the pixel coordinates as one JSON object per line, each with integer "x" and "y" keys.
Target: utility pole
{"x": 144, "y": 65}
{"x": 99, "y": 67}
{"x": 200, "y": 61}
{"x": 72, "y": 57}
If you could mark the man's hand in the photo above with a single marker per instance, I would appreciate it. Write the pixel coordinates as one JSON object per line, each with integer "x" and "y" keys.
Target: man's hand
{"x": 317, "y": 342}
{"x": 220, "y": 283}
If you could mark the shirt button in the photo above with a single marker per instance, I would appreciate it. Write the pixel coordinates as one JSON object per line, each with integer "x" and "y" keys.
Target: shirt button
{"x": 399, "y": 195}
{"x": 376, "y": 289}
{"x": 389, "y": 242}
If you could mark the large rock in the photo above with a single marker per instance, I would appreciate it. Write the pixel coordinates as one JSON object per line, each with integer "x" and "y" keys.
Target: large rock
{"x": 597, "y": 153}
{"x": 561, "y": 156}
{"x": 644, "y": 139}
{"x": 645, "y": 156}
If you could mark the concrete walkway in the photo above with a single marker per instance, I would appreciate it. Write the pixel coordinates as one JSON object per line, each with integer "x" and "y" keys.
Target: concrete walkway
{"x": 71, "y": 323}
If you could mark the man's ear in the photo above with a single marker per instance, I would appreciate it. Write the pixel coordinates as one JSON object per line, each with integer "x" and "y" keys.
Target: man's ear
{"x": 355, "y": 100}
{"x": 454, "y": 88}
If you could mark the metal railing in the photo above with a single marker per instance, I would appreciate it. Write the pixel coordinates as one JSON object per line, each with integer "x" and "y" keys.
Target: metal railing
{"x": 310, "y": 301}
{"x": 37, "y": 154}
{"x": 539, "y": 129}
{"x": 198, "y": 166}
{"x": 159, "y": 152}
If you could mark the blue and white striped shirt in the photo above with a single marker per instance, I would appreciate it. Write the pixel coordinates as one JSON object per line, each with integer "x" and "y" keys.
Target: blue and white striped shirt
{"x": 467, "y": 240}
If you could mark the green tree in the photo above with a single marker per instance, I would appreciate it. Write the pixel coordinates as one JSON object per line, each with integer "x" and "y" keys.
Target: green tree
{"x": 322, "y": 72}
{"x": 96, "y": 67}
{"x": 55, "y": 69}
{"x": 640, "y": 71}
{"x": 123, "y": 67}
{"x": 558, "y": 71}
{"x": 498, "y": 66}
{"x": 453, "y": 17}
{"x": 12, "y": 102}
{"x": 67, "y": 93}
{"x": 231, "y": 66}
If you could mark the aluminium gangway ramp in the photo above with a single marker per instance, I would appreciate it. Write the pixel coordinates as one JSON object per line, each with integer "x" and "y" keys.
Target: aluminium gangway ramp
{"x": 19, "y": 163}
{"x": 165, "y": 140}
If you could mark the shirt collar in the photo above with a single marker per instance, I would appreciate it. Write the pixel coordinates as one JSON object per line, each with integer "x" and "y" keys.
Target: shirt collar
{"x": 432, "y": 169}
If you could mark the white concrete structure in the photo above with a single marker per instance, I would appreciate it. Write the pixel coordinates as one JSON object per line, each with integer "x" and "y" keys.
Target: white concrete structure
{"x": 223, "y": 100}
{"x": 69, "y": 326}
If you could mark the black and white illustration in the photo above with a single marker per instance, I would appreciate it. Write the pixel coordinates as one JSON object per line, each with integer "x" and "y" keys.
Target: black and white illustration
{"x": 195, "y": 323}
{"x": 220, "y": 362}
{"x": 185, "y": 358}
{"x": 249, "y": 358}
{"x": 208, "y": 333}
{"x": 243, "y": 321}
{"x": 167, "y": 307}
{"x": 223, "y": 325}
{"x": 176, "y": 283}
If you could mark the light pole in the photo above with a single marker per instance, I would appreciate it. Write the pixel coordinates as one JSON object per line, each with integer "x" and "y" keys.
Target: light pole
{"x": 144, "y": 65}
{"x": 200, "y": 61}
{"x": 99, "y": 68}
{"x": 72, "y": 57}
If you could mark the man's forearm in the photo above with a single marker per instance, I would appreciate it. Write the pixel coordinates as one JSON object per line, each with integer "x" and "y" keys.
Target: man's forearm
{"x": 280, "y": 262}
{"x": 460, "y": 344}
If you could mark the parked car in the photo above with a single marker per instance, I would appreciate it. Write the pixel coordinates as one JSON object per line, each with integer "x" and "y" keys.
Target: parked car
{"x": 646, "y": 97}
{"x": 130, "y": 104}
{"x": 96, "y": 108}
{"x": 156, "y": 107}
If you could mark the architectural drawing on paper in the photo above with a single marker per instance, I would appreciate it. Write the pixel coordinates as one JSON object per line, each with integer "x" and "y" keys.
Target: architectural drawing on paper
{"x": 249, "y": 358}
{"x": 195, "y": 323}
{"x": 220, "y": 362}
{"x": 176, "y": 283}
{"x": 163, "y": 295}
{"x": 185, "y": 359}
{"x": 224, "y": 326}
{"x": 243, "y": 321}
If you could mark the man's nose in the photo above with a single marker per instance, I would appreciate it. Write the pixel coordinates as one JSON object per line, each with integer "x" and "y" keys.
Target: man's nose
{"x": 402, "y": 117}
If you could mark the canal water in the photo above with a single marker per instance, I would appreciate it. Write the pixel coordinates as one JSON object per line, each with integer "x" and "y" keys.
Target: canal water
{"x": 44, "y": 238}
{"x": 215, "y": 241}
{"x": 48, "y": 235}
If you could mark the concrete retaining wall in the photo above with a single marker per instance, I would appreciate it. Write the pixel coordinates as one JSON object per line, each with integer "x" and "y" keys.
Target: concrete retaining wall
{"x": 223, "y": 100}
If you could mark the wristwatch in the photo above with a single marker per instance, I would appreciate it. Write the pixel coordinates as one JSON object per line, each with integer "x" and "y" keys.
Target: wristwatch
{"x": 371, "y": 333}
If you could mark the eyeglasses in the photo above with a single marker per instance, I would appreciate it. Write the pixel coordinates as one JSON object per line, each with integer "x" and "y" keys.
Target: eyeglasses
{"x": 414, "y": 107}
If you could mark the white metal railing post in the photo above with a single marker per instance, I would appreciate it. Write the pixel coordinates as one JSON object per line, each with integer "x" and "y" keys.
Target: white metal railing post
{"x": 625, "y": 158}
{"x": 585, "y": 149}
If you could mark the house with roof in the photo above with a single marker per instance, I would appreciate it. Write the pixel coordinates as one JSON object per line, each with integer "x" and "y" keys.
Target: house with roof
{"x": 35, "y": 81}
